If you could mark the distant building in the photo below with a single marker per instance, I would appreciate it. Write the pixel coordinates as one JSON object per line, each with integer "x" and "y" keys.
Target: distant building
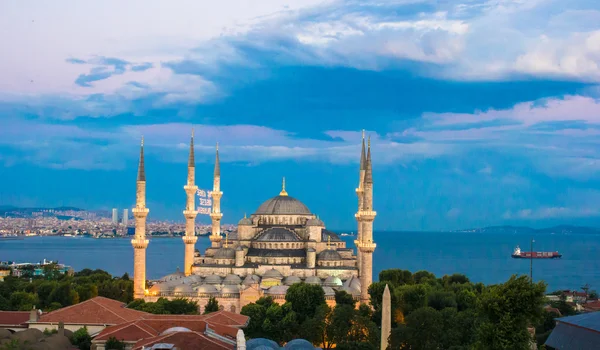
{"x": 576, "y": 332}
{"x": 115, "y": 216}
{"x": 125, "y": 218}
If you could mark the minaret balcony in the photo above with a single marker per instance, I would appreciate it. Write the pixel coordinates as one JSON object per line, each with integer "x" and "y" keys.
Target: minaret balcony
{"x": 367, "y": 247}
{"x": 139, "y": 243}
{"x": 216, "y": 194}
{"x": 190, "y": 239}
{"x": 190, "y": 214}
{"x": 359, "y": 190}
{"x": 367, "y": 215}
{"x": 140, "y": 212}
{"x": 216, "y": 216}
{"x": 190, "y": 189}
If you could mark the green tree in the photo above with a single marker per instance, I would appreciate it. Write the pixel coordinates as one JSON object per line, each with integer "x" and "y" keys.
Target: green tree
{"x": 114, "y": 344}
{"x": 211, "y": 306}
{"x": 305, "y": 299}
{"x": 81, "y": 339}
{"x": 23, "y": 301}
{"x": 396, "y": 277}
{"x": 343, "y": 298}
{"x": 87, "y": 291}
{"x": 181, "y": 306}
{"x": 507, "y": 310}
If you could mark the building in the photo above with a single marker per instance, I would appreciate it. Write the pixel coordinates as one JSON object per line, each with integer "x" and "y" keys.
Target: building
{"x": 125, "y": 218}
{"x": 580, "y": 332}
{"x": 280, "y": 244}
{"x": 115, "y": 216}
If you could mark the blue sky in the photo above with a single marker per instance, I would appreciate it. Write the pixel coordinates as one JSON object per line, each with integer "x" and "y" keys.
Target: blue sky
{"x": 480, "y": 112}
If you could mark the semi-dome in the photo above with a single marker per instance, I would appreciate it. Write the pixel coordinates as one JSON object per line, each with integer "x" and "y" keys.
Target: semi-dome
{"x": 161, "y": 288}
{"x": 291, "y": 280}
{"x": 225, "y": 253}
{"x": 212, "y": 279}
{"x": 333, "y": 281}
{"x": 174, "y": 276}
{"x": 191, "y": 279}
{"x": 232, "y": 279}
{"x": 245, "y": 222}
{"x": 207, "y": 289}
{"x": 282, "y": 205}
{"x": 183, "y": 288}
{"x": 272, "y": 273}
{"x": 328, "y": 291}
{"x": 277, "y": 234}
{"x": 315, "y": 222}
{"x": 329, "y": 254}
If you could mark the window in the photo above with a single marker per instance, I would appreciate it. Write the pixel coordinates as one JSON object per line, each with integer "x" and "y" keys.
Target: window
{"x": 232, "y": 308}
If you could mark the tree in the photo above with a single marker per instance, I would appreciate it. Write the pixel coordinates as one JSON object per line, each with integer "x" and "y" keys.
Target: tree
{"x": 343, "y": 298}
{"x": 23, "y": 301}
{"x": 396, "y": 277}
{"x": 113, "y": 344}
{"x": 593, "y": 294}
{"x": 211, "y": 306}
{"x": 81, "y": 339}
{"x": 423, "y": 331}
{"x": 507, "y": 310}
{"x": 305, "y": 299}
{"x": 181, "y": 306}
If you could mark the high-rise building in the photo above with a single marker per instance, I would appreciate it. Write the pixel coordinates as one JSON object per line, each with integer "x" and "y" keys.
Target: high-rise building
{"x": 125, "y": 219}
{"x": 115, "y": 216}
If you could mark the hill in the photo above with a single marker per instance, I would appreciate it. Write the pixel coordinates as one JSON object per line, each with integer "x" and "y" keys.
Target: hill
{"x": 560, "y": 229}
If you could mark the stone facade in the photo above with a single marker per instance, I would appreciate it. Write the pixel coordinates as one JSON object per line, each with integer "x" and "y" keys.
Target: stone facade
{"x": 280, "y": 244}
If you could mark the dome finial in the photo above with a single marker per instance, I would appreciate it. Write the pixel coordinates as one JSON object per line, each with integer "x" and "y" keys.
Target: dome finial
{"x": 226, "y": 239}
{"x": 245, "y": 216}
{"x": 283, "y": 192}
{"x": 328, "y": 242}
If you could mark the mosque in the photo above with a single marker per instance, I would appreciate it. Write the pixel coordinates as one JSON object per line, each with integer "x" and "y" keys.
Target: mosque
{"x": 280, "y": 244}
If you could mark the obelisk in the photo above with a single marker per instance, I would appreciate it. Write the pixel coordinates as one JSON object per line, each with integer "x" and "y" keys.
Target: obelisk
{"x": 386, "y": 318}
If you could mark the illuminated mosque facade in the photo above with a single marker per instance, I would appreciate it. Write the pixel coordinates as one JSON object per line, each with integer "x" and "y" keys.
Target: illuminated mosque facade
{"x": 280, "y": 244}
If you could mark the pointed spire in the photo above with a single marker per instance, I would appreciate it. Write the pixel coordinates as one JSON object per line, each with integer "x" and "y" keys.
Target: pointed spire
{"x": 141, "y": 171}
{"x": 191, "y": 160}
{"x": 368, "y": 168}
{"x": 328, "y": 242}
{"x": 217, "y": 165}
{"x": 363, "y": 160}
{"x": 283, "y": 192}
{"x": 226, "y": 239}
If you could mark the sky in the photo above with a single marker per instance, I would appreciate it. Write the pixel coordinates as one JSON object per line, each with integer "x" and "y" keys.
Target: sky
{"x": 479, "y": 112}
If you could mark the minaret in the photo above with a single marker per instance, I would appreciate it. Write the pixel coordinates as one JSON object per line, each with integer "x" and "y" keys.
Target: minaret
{"x": 359, "y": 193}
{"x": 386, "y": 318}
{"x": 366, "y": 246}
{"x": 190, "y": 212}
{"x": 216, "y": 214}
{"x": 139, "y": 243}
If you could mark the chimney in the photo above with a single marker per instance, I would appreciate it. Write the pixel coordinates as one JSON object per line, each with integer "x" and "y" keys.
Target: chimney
{"x": 61, "y": 328}
{"x": 33, "y": 315}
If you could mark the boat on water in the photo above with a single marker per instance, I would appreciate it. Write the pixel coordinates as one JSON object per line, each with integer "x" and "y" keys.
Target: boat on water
{"x": 518, "y": 254}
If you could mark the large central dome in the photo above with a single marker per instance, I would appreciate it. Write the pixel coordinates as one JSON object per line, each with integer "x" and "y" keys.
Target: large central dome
{"x": 283, "y": 205}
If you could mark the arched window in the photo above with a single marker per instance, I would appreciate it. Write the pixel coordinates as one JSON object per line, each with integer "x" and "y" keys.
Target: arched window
{"x": 221, "y": 307}
{"x": 232, "y": 308}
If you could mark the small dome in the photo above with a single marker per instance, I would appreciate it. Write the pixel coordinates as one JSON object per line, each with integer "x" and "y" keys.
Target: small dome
{"x": 261, "y": 344}
{"x": 353, "y": 283}
{"x": 333, "y": 281}
{"x": 212, "y": 279}
{"x": 191, "y": 279}
{"x": 313, "y": 280}
{"x": 315, "y": 222}
{"x": 350, "y": 290}
{"x": 277, "y": 290}
{"x": 225, "y": 253}
{"x": 310, "y": 250}
{"x": 232, "y": 279}
{"x": 175, "y": 330}
{"x": 174, "y": 276}
{"x": 272, "y": 273}
{"x": 251, "y": 279}
{"x": 161, "y": 288}
{"x": 183, "y": 288}
{"x": 299, "y": 344}
{"x": 230, "y": 289}
{"x": 289, "y": 280}
{"x": 328, "y": 291}
{"x": 239, "y": 248}
{"x": 207, "y": 289}
{"x": 245, "y": 222}
{"x": 329, "y": 254}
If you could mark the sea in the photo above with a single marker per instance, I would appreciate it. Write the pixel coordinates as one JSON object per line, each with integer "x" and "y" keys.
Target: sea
{"x": 482, "y": 257}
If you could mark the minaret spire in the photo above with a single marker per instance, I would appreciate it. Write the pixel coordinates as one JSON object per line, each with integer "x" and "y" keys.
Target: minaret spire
{"x": 283, "y": 192}
{"x": 363, "y": 160}
{"x": 216, "y": 214}
{"x": 139, "y": 242}
{"x": 369, "y": 166}
{"x": 190, "y": 212}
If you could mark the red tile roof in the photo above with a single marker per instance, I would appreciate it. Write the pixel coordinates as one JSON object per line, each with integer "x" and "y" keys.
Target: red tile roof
{"x": 185, "y": 340}
{"x": 98, "y": 310}
{"x": 14, "y": 318}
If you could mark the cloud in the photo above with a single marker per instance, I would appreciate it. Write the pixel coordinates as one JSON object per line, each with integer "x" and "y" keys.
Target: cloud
{"x": 551, "y": 213}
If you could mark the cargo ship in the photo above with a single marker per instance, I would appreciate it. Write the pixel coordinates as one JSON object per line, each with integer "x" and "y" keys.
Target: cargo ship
{"x": 518, "y": 254}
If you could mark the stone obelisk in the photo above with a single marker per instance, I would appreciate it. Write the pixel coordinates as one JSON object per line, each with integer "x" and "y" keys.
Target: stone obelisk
{"x": 190, "y": 212}
{"x": 139, "y": 242}
{"x": 386, "y": 318}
